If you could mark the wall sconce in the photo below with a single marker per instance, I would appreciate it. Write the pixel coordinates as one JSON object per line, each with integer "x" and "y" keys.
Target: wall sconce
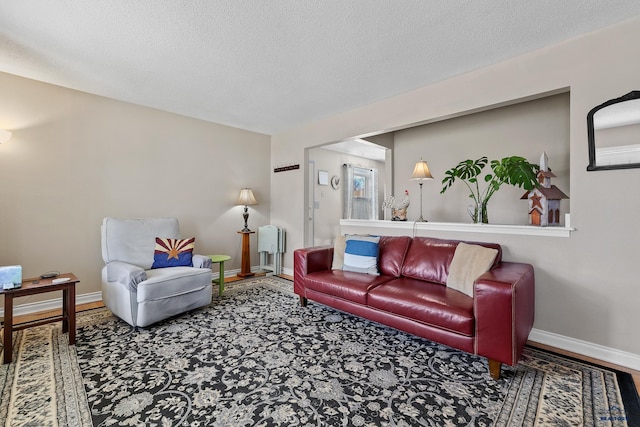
{"x": 421, "y": 173}
{"x": 5, "y": 135}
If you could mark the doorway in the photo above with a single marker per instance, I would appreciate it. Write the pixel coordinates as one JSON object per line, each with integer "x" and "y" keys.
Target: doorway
{"x": 324, "y": 198}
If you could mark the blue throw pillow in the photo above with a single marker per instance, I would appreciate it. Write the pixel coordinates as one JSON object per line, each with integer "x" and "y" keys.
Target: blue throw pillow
{"x": 173, "y": 253}
{"x": 361, "y": 254}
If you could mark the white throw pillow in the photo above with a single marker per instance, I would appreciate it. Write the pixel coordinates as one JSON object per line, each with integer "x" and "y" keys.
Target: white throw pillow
{"x": 338, "y": 252}
{"x": 361, "y": 254}
{"x": 469, "y": 262}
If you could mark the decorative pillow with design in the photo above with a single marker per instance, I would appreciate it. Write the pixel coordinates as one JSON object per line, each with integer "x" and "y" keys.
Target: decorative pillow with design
{"x": 469, "y": 262}
{"x": 338, "y": 252}
{"x": 173, "y": 252}
{"x": 361, "y": 254}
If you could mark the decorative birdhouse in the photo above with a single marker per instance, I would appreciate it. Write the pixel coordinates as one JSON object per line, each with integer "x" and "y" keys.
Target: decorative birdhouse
{"x": 544, "y": 200}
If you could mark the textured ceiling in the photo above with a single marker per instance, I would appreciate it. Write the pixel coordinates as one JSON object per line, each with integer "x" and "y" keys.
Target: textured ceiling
{"x": 268, "y": 66}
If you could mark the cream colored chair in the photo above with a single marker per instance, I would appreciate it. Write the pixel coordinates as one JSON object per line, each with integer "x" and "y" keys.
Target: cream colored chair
{"x": 138, "y": 294}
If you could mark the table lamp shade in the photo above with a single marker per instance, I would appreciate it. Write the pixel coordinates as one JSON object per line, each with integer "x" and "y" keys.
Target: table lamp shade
{"x": 246, "y": 197}
{"x": 421, "y": 171}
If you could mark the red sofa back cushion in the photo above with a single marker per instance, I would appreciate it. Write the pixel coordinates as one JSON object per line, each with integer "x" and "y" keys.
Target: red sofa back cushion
{"x": 391, "y": 256}
{"x": 429, "y": 258}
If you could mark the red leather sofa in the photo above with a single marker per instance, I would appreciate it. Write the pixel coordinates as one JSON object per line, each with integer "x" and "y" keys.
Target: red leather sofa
{"x": 410, "y": 294}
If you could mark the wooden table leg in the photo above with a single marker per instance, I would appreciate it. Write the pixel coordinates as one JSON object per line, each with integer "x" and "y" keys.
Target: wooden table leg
{"x": 71, "y": 308}
{"x": 65, "y": 309}
{"x": 8, "y": 327}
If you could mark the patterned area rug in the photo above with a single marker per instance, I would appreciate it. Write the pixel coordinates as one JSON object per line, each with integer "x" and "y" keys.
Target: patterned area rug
{"x": 255, "y": 358}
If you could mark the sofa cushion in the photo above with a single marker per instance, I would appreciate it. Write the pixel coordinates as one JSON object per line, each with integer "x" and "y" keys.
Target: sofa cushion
{"x": 426, "y": 302}
{"x": 392, "y": 252}
{"x": 428, "y": 259}
{"x": 347, "y": 285}
{"x": 131, "y": 240}
{"x": 469, "y": 262}
{"x": 361, "y": 254}
{"x": 164, "y": 283}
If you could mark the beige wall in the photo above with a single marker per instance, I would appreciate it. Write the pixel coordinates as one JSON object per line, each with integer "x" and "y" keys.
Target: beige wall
{"x": 586, "y": 285}
{"x": 526, "y": 129}
{"x": 75, "y": 158}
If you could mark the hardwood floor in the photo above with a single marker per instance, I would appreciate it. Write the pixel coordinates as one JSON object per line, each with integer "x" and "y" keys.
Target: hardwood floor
{"x": 635, "y": 374}
{"x": 82, "y": 307}
{"x": 51, "y": 313}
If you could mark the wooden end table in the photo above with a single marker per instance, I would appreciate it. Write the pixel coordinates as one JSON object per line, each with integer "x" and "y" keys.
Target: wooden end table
{"x": 219, "y": 259}
{"x": 40, "y": 286}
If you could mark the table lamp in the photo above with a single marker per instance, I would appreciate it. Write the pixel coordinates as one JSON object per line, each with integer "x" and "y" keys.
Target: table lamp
{"x": 246, "y": 198}
{"x": 421, "y": 173}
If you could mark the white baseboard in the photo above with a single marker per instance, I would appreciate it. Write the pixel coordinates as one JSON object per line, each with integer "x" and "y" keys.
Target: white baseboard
{"x": 585, "y": 348}
{"x": 51, "y": 304}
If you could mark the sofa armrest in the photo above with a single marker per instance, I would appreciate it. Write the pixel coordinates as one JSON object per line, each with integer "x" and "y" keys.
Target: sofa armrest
{"x": 128, "y": 275}
{"x": 309, "y": 260}
{"x": 201, "y": 261}
{"x": 504, "y": 306}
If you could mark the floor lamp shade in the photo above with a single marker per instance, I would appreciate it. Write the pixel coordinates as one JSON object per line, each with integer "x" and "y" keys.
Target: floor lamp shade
{"x": 421, "y": 173}
{"x": 246, "y": 198}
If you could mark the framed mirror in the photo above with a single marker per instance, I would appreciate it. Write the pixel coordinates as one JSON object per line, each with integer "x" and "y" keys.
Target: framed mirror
{"x": 613, "y": 129}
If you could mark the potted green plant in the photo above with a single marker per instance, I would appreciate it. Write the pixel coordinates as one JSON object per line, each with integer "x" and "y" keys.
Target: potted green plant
{"x": 512, "y": 170}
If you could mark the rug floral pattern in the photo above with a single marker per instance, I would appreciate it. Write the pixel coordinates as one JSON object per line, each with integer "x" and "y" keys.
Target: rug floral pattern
{"x": 258, "y": 359}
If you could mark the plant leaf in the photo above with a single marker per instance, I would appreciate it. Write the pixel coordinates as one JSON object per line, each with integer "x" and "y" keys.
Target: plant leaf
{"x": 516, "y": 171}
{"x": 466, "y": 170}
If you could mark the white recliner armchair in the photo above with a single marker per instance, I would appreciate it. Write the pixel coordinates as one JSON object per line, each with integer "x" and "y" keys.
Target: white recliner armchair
{"x": 134, "y": 291}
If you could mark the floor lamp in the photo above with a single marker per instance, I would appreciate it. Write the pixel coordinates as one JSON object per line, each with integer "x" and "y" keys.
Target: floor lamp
{"x": 246, "y": 198}
{"x": 421, "y": 173}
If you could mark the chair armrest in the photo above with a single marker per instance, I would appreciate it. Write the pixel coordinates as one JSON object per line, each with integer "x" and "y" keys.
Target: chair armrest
{"x": 201, "y": 261}
{"x": 504, "y": 306}
{"x": 307, "y": 261}
{"x": 128, "y": 275}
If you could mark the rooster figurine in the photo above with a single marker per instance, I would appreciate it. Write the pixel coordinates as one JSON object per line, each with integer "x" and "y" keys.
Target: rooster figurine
{"x": 398, "y": 207}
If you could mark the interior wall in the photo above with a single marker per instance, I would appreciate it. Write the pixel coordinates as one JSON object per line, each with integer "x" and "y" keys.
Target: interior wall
{"x": 76, "y": 158}
{"x": 525, "y": 129}
{"x": 329, "y": 201}
{"x": 586, "y": 285}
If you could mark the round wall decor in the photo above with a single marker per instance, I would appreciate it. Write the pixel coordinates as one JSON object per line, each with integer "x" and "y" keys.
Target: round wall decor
{"x": 335, "y": 182}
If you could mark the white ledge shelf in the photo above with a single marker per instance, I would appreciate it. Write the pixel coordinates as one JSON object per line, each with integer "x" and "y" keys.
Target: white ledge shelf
{"x": 522, "y": 230}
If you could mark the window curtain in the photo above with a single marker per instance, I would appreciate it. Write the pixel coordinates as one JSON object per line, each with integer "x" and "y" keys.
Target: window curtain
{"x": 359, "y": 192}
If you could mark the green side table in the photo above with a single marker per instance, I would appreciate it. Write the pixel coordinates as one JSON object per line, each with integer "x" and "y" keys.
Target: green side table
{"x": 219, "y": 259}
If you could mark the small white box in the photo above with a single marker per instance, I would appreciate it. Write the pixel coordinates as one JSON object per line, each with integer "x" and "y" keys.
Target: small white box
{"x": 11, "y": 276}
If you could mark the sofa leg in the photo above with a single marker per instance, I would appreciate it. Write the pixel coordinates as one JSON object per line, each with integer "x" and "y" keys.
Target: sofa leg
{"x": 303, "y": 301}
{"x": 494, "y": 369}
